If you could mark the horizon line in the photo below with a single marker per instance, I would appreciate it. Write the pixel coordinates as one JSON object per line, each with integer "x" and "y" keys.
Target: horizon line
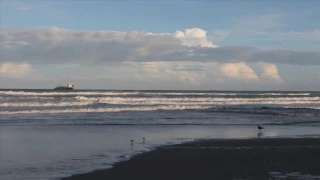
{"x": 162, "y": 90}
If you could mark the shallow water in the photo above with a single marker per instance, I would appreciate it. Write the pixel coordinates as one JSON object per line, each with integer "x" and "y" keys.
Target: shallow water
{"x": 53, "y": 151}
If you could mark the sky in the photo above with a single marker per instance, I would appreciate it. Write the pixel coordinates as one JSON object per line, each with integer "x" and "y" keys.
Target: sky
{"x": 166, "y": 45}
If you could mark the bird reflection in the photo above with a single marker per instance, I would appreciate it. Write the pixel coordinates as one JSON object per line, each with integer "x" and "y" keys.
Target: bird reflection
{"x": 260, "y": 134}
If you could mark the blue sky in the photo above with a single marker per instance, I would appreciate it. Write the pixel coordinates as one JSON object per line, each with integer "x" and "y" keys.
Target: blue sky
{"x": 154, "y": 15}
{"x": 289, "y": 27}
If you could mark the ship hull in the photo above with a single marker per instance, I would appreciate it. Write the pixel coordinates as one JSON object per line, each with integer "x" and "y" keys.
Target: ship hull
{"x": 63, "y": 88}
{"x": 69, "y": 86}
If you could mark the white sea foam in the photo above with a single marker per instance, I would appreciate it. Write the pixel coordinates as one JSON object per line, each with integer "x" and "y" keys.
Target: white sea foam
{"x": 284, "y": 94}
{"x": 182, "y": 101}
{"x": 35, "y": 104}
{"x": 105, "y": 110}
{"x": 194, "y": 99}
{"x": 147, "y": 103}
{"x": 203, "y": 101}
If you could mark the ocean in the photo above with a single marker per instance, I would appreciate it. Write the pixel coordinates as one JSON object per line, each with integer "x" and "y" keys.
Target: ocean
{"x": 46, "y": 134}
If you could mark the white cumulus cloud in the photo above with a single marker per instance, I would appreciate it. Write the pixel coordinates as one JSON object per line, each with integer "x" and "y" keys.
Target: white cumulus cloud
{"x": 59, "y": 46}
{"x": 194, "y": 37}
{"x": 155, "y": 72}
{"x": 15, "y": 70}
{"x": 180, "y": 60}
{"x": 238, "y": 71}
{"x": 270, "y": 72}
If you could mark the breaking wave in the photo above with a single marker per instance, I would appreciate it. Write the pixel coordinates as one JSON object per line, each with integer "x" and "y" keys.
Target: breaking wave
{"x": 104, "y": 110}
{"x": 36, "y": 104}
{"x": 206, "y": 99}
{"x": 285, "y": 111}
{"x": 216, "y": 102}
{"x": 271, "y": 103}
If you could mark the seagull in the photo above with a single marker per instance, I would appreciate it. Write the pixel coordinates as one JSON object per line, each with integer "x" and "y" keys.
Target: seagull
{"x": 259, "y": 127}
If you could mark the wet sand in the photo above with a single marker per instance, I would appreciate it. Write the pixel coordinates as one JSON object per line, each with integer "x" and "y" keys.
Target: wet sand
{"x": 259, "y": 158}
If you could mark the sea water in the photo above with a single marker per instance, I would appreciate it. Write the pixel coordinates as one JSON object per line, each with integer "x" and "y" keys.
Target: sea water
{"x": 48, "y": 134}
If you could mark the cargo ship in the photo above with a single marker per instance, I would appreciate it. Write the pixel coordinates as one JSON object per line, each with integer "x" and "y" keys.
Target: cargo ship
{"x": 69, "y": 86}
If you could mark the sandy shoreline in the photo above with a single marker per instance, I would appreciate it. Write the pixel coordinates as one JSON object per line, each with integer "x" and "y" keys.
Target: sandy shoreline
{"x": 259, "y": 158}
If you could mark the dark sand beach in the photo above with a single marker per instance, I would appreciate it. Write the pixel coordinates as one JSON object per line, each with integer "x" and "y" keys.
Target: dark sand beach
{"x": 259, "y": 158}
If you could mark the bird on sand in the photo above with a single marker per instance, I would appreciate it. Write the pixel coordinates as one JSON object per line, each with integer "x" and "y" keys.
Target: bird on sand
{"x": 259, "y": 127}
